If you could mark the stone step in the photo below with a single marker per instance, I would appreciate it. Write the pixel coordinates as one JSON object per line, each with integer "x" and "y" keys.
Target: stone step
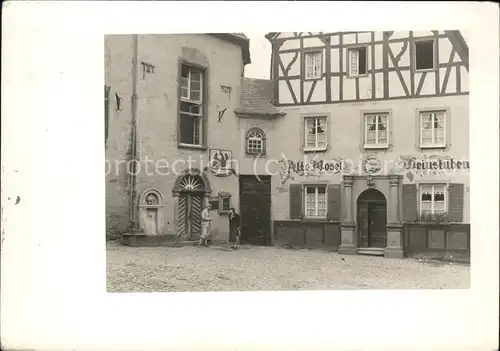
{"x": 372, "y": 251}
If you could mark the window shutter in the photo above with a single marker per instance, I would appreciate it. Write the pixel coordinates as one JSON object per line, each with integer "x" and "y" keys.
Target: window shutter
{"x": 302, "y": 134}
{"x": 334, "y": 197}
{"x": 455, "y": 202}
{"x": 410, "y": 202}
{"x": 295, "y": 201}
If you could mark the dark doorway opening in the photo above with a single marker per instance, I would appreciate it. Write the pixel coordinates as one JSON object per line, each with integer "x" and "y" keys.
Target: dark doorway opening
{"x": 255, "y": 209}
{"x": 372, "y": 219}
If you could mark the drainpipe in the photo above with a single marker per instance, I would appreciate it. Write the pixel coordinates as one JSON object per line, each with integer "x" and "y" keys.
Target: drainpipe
{"x": 133, "y": 156}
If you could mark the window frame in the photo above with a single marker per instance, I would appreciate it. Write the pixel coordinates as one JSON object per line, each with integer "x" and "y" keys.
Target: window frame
{"x": 348, "y": 60}
{"x": 224, "y": 196}
{"x": 420, "y": 114}
{"x": 263, "y": 141}
{"x": 434, "y": 55}
{"x": 201, "y": 103}
{"x": 304, "y": 200}
{"x": 313, "y": 52}
{"x": 366, "y": 115}
{"x": 316, "y": 148}
{"x": 433, "y": 184}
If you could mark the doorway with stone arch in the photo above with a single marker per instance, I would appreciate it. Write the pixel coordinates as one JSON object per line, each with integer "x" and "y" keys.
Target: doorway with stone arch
{"x": 191, "y": 190}
{"x": 372, "y": 219}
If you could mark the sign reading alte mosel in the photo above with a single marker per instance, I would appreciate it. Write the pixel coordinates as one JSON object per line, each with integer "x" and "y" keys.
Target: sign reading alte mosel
{"x": 333, "y": 166}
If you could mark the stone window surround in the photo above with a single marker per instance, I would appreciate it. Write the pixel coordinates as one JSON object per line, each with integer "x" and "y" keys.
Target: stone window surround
{"x": 205, "y": 94}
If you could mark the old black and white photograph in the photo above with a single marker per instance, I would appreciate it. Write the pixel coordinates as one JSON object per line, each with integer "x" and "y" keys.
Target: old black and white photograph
{"x": 237, "y": 188}
{"x": 340, "y": 161}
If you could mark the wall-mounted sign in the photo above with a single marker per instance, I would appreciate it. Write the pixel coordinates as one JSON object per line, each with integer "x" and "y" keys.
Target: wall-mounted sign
{"x": 307, "y": 168}
{"x": 413, "y": 166}
{"x": 220, "y": 162}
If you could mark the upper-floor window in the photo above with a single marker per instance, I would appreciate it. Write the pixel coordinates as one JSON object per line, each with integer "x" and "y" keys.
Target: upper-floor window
{"x": 315, "y": 133}
{"x": 313, "y": 63}
{"x": 432, "y": 198}
{"x": 191, "y": 106}
{"x": 191, "y": 84}
{"x": 255, "y": 142}
{"x": 357, "y": 61}
{"x": 424, "y": 55}
{"x": 376, "y": 130}
{"x": 315, "y": 201}
{"x": 432, "y": 129}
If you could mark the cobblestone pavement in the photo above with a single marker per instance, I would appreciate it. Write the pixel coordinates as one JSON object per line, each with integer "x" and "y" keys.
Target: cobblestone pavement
{"x": 162, "y": 269}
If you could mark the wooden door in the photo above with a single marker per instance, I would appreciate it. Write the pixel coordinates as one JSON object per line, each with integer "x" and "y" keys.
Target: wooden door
{"x": 377, "y": 235}
{"x": 194, "y": 208}
{"x": 363, "y": 224}
{"x": 151, "y": 221}
{"x": 255, "y": 209}
{"x": 189, "y": 209}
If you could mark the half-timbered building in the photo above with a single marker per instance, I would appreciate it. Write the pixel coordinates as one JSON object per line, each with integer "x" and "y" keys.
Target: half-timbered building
{"x": 374, "y": 148}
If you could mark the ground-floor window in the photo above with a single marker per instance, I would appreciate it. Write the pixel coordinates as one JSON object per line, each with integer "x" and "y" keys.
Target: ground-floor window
{"x": 315, "y": 201}
{"x": 432, "y": 198}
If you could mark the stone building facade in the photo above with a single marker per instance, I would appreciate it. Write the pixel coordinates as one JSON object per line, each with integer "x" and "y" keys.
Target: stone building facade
{"x": 171, "y": 132}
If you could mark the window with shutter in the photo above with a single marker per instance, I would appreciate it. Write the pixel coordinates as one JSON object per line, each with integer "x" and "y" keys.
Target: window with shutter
{"x": 315, "y": 201}
{"x": 455, "y": 202}
{"x": 432, "y": 199}
{"x": 295, "y": 201}
{"x": 409, "y": 202}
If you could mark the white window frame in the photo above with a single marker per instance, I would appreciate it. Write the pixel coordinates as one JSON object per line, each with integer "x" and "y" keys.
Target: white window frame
{"x": 188, "y": 98}
{"x": 198, "y": 103}
{"x": 261, "y": 139}
{"x": 434, "y": 145}
{"x": 316, "y": 202}
{"x": 306, "y": 132}
{"x": 349, "y": 62}
{"x": 318, "y": 72}
{"x": 433, "y": 55}
{"x": 377, "y": 145}
{"x": 433, "y": 185}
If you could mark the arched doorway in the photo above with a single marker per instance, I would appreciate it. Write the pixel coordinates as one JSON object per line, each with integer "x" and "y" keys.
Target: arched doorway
{"x": 191, "y": 190}
{"x": 372, "y": 219}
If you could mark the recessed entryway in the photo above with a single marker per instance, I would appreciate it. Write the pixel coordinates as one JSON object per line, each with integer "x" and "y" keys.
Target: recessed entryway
{"x": 372, "y": 222}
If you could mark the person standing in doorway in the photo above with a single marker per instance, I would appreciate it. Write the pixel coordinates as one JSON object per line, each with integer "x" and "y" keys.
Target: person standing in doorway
{"x": 206, "y": 222}
{"x": 234, "y": 227}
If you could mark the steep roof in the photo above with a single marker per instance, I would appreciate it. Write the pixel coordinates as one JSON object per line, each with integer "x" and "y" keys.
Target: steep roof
{"x": 239, "y": 39}
{"x": 256, "y": 98}
{"x": 454, "y": 36}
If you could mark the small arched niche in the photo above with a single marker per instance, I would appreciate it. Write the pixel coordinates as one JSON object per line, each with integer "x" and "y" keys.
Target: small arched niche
{"x": 151, "y": 198}
{"x": 150, "y": 216}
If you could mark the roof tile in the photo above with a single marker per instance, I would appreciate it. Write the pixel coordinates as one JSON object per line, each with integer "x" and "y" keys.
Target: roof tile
{"x": 257, "y": 97}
